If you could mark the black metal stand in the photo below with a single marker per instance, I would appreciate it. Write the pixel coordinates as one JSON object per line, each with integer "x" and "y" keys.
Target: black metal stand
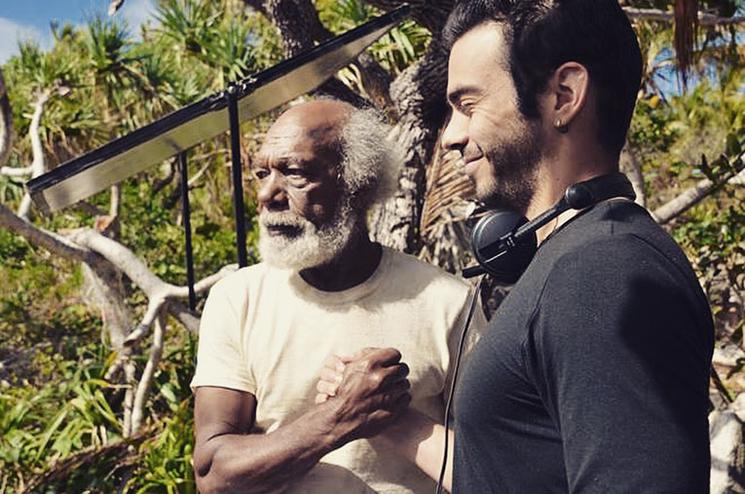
{"x": 235, "y": 154}
{"x": 186, "y": 213}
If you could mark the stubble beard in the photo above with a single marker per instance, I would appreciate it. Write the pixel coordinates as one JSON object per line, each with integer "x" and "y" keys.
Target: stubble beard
{"x": 309, "y": 245}
{"x": 514, "y": 162}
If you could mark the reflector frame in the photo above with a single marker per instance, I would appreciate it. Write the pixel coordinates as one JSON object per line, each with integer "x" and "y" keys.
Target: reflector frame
{"x": 121, "y": 158}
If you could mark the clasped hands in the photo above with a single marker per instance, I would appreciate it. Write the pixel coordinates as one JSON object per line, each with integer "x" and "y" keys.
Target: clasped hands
{"x": 368, "y": 390}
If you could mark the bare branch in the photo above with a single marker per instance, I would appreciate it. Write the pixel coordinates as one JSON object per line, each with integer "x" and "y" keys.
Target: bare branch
{"x": 183, "y": 315}
{"x": 129, "y": 397}
{"x": 156, "y": 351}
{"x": 54, "y": 243}
{"x": 197, "y": 176}
{"x": 157, "y": 302}
{"x": 294, "y": 20}
{"x": 116, "y": 199}
{"x": 123, "y": 258}
{"x": 154, "y": 308}
{"x": 105, "y": 292}
{"x": 113, "y": 369}
{"x": 704, "y": 19}
{"x": 10, "y": 171}
{"x": 631, "y": 167}
{"x": 691, "y": 197}
{"x": 38, "y": 164}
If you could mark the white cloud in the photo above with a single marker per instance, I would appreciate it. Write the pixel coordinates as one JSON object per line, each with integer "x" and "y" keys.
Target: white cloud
{"x": 12, "y": 32}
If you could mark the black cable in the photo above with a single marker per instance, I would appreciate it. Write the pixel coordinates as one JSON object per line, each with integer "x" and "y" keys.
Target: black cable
{"x": 449, "y": 404}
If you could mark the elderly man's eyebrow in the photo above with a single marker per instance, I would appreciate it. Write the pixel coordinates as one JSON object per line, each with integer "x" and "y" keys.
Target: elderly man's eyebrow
{"x": 280, "y": 161}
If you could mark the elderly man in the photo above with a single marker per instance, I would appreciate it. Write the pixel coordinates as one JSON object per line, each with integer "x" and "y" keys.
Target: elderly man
{"x": 593, "y": 374}
{"x": 323, "y": 289}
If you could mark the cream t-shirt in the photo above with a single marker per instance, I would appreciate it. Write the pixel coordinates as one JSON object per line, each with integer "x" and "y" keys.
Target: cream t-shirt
{"x": 267, "y": 332}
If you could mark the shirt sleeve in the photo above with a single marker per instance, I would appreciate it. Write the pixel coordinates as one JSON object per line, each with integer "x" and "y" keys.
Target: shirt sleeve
{"x": 620, "y": 357}
{"x": 220, "y": 357}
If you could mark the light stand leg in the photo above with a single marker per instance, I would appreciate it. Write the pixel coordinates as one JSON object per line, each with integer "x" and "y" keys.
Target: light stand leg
{"x": 235, "y": 152}
{"x": 186, "y": 213}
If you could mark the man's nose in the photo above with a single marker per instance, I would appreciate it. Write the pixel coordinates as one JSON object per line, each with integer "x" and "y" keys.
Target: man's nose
{"x": 455, "y": 135}
{"x": 272, "y": 194}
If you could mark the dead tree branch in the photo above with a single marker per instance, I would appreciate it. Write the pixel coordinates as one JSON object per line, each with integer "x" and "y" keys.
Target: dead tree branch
{"x": 156, "y": 352}
{"x": 103, "y": 259}
{"x": 129, "y": 396}
{"x": 106, "y": 256}
{"x": 157, "y": 291}
{"x": 38, "y": 164}
{"x": 691, "y": 197}
{"x": 162, "y": 297}
{"x": 631, "y": 167}
{"x": 704, "y": 19}
{"x": 52, "y": 242}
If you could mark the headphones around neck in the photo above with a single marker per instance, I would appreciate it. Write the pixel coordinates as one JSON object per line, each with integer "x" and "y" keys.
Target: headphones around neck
{"x": 504, "y": 242}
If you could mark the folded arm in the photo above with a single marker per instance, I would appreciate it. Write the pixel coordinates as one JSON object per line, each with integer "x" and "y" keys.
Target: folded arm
{"x": 227, "y": 458}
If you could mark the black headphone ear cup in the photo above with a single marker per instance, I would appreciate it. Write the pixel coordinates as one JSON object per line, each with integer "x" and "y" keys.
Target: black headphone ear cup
{"x": 505, "y": 263}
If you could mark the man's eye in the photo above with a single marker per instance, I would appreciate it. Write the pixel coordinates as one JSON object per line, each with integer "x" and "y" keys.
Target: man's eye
{"x": 464, "y": 108}
{"x": 261, "y": 174}
{"x": 299, "y": 180}
{"x": 297, "y": 176}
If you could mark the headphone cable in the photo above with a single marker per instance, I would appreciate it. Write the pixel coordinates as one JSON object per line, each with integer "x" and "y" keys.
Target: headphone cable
{"x": 449, "y": 404}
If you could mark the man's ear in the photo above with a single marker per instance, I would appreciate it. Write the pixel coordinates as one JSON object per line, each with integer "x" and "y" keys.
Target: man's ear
{"x": 568, "y": 87}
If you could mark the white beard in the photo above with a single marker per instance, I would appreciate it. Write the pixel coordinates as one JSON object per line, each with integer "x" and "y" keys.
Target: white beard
{"x": 312, "y": 246}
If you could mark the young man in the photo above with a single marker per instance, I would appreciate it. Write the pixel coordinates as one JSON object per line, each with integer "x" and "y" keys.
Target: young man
{"x": 593, "y": 374}
{"x": 324, "y": 288}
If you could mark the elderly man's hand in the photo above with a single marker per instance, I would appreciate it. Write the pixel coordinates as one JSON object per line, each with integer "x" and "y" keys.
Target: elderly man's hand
{"x": 367, "y": 390}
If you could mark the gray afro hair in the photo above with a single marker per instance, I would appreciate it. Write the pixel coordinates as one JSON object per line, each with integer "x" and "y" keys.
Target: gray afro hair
{"x": 371, "y": 160}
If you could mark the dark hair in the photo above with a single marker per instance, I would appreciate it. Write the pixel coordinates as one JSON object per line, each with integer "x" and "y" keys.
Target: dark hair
{"x": 543, "y": 34}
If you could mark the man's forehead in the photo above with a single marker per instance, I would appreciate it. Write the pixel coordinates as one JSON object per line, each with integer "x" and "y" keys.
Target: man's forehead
{"x": 310, "y": 124}
{"x": 295, "y": 142}
{"x": 475, "y": 56}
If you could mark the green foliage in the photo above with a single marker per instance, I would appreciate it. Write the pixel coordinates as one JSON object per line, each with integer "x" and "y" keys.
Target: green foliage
{"x": 205, "y": 33}
{"x": 713, "y": 236}
{"x": 164, "y": 460}
{"x": 66, "y": 415}
{"x": 395, "y": 51}
{"x": 60, "y": 421}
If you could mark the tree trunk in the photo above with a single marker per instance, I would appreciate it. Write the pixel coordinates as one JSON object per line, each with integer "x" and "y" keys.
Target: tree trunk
{"x": 419, "y": 98}
{"x": 631, "y": 167}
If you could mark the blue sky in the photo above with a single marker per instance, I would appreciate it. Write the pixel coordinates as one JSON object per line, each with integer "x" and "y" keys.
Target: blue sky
{"x": 29, "y": 19}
